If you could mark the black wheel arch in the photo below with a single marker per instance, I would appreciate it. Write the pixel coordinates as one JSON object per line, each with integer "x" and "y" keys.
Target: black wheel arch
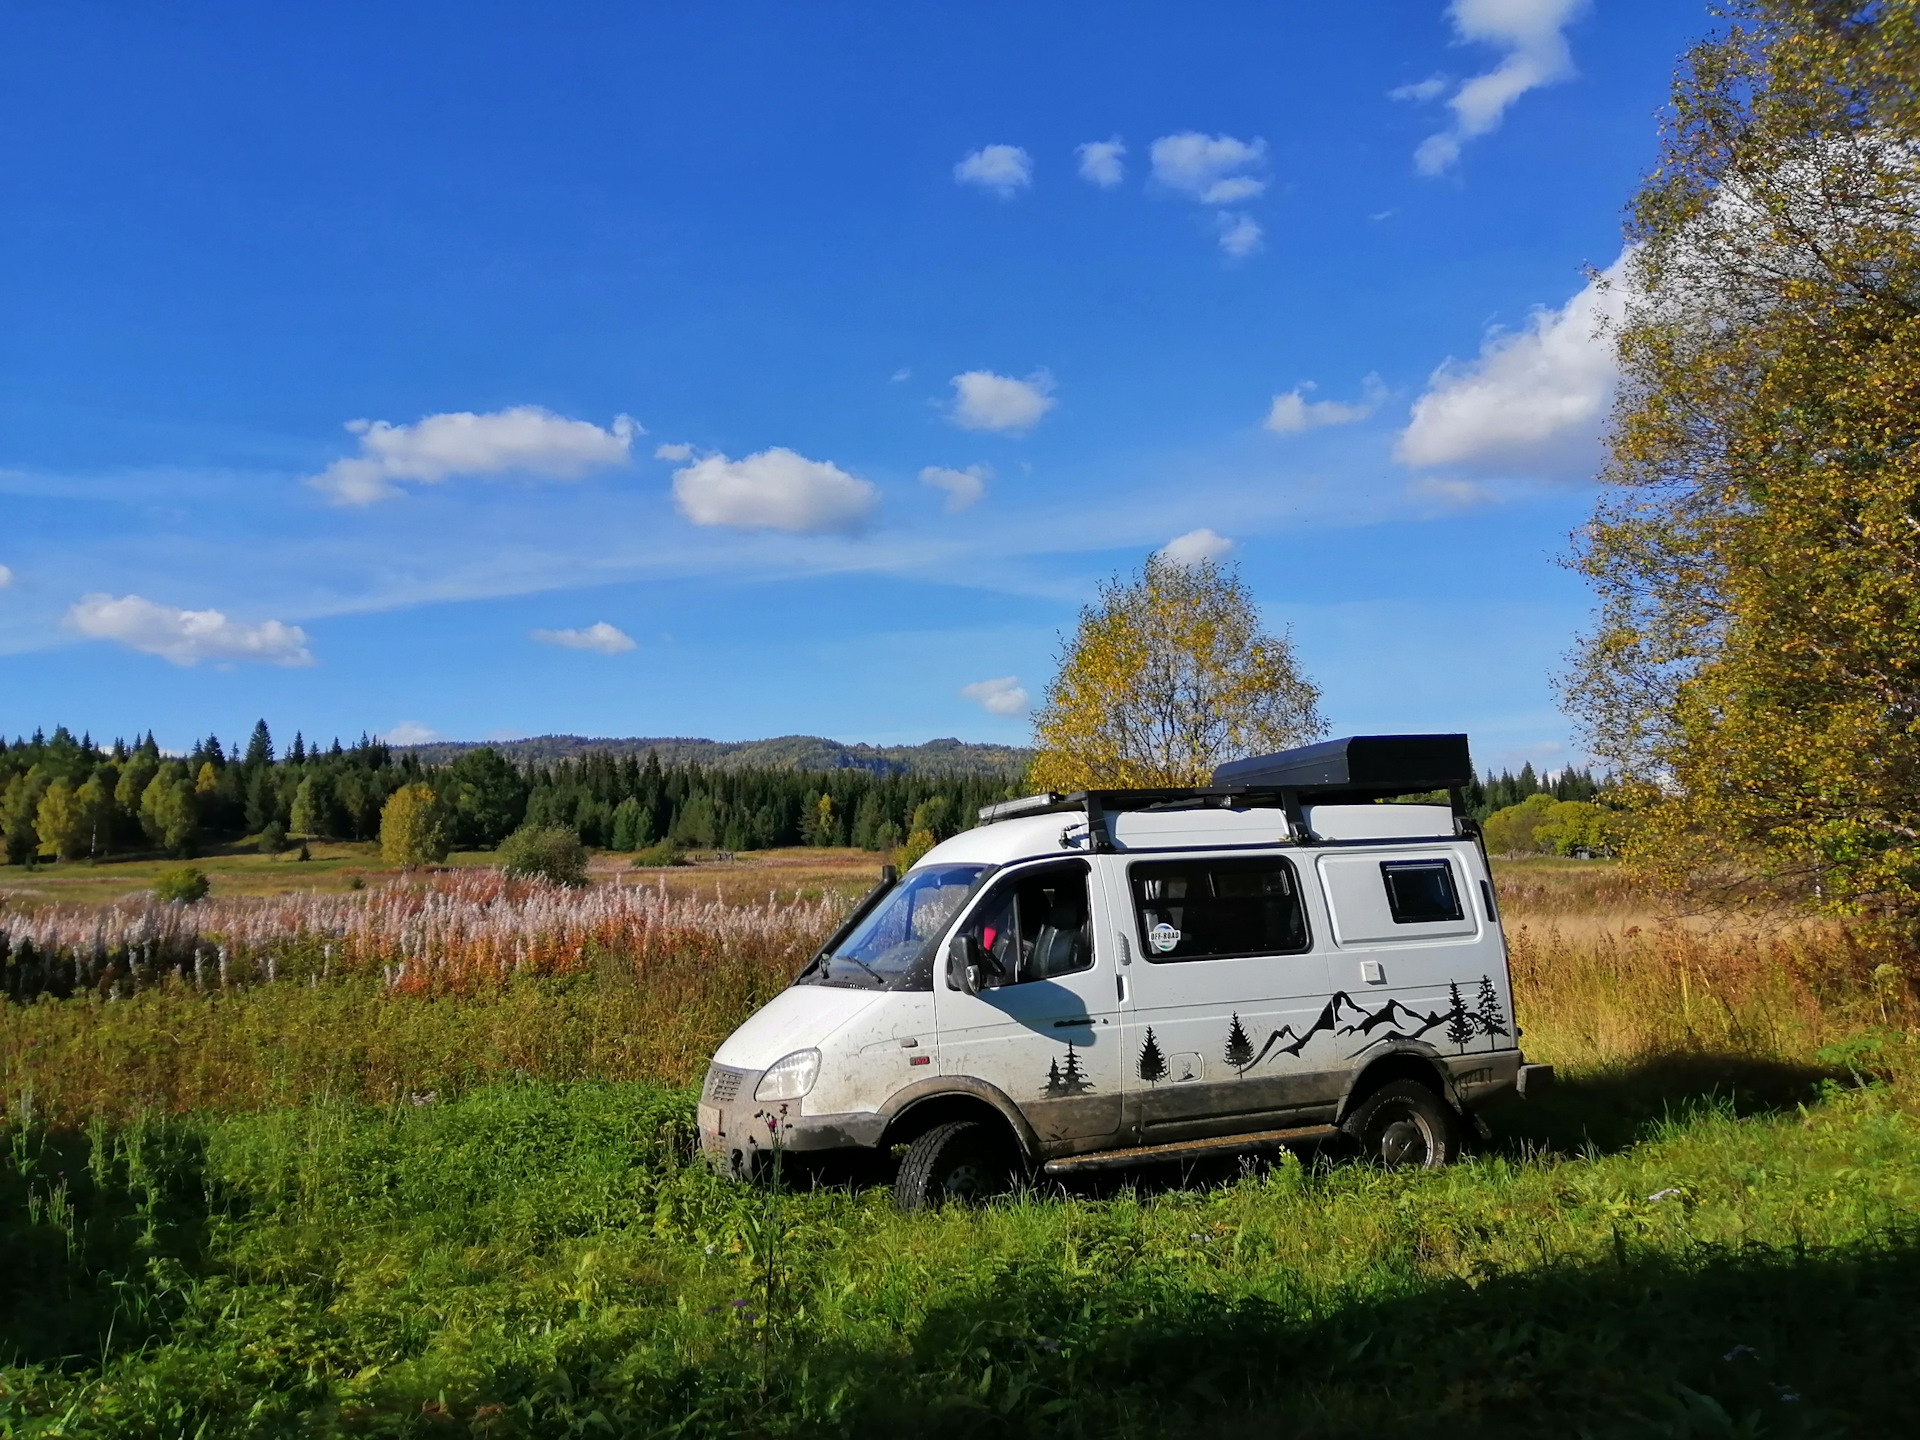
{"x": 1406, "y": 1060}
{"x": 935, "y": 1101}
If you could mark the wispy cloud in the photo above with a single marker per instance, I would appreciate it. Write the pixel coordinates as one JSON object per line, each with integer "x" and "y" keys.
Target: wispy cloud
{"x": 1292, "y": 412}
{"x": 1003, "y": 696}
{"x": 1240, "y": 235}
{"x": 776, "y": 489}
{"x": 1215, "y": 170}
{"x": 599, "y": 637}
{"x": 1003, "y": 170}
{"x": 1532, "y": 33}
{"x": 186, "y": 637}
{"x": 410, "y": 732}
{"x": 6, "y": 578}
{"x": 675, "y": 452}
{"x": 1102, "y": 162}
{"x": 1420, "y": 90}
{"x": 1212, "y": 169}
{"x": 983, "y": 400}
{"x": 524, "y": 440}
{"x": 1196, "y": 547}
{"x": 964, "y": 488}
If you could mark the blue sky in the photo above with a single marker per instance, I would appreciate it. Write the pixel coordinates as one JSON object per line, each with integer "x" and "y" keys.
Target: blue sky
{"x": 748, "y": 369}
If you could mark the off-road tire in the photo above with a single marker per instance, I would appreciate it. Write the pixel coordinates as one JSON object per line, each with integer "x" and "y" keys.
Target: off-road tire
{"x": 961, "y": 1161}
{"x": 1404, "y": 1125}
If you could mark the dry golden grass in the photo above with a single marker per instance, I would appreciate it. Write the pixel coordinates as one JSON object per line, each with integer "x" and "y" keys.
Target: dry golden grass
{"x": 437, "y": 982}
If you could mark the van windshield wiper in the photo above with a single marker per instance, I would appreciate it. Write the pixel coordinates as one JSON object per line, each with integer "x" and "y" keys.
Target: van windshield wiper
{"x": 827, "y": 960}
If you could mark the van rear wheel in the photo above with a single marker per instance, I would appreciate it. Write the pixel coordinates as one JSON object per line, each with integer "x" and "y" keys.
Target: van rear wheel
{"x": 1405, "y": 1126}
{"x": 962, "y": 1161}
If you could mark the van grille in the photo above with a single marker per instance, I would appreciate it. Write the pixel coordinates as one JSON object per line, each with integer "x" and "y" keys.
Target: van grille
{"x": 722, "y": 1084}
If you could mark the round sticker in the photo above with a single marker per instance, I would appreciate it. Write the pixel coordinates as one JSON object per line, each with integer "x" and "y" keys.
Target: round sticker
{"x": 1163, "y": 937}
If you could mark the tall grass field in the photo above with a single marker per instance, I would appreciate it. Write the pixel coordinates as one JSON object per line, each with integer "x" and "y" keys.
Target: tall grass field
{"x": 414, "y": 1160}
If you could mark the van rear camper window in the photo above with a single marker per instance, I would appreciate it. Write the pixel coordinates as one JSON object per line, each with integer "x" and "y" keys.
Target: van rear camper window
{"x": 1420, "y": 892}
{"x": 1217, "y": 909}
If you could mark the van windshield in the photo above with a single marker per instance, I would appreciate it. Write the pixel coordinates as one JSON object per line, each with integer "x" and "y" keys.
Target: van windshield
{"x": 887, "y": 947}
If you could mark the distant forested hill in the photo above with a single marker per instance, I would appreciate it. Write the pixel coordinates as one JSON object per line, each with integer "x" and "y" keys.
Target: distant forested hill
{"x": 786, "y": 752}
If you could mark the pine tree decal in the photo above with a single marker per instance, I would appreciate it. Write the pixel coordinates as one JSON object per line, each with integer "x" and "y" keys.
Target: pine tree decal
{"x": 1488, "y": 1018}
{"x": 1460, "y": 1025}
{"x": 1073, "y": 1080}
{"x": 1239, "y": 1047}
{"x": 1153, "y": 1065}
{"x": 1055, "y": 1088}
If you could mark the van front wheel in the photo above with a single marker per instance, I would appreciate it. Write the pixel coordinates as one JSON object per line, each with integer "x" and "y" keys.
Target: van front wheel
{"x": 962, "y": 1160}
{"x": 1404, "y": 1125}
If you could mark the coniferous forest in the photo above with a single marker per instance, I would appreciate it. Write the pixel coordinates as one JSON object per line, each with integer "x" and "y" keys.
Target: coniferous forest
{"x": 72, "y": 798}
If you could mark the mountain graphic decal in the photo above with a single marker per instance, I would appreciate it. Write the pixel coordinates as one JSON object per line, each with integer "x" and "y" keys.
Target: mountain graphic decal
{"x": 1343, "y": 1015}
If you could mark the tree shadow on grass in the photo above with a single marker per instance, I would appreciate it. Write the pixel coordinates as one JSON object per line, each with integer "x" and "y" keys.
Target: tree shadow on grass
{"x": 1726, "y": 1344}
{"x": 1610, "y": 1110}
{"x": 92, "y": 1242}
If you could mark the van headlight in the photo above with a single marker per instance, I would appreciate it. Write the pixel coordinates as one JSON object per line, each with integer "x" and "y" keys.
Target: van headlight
{"x": 789, "y": 1077}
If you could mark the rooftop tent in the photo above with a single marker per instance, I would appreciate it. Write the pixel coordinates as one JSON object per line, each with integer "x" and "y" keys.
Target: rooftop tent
{"x": 1357, "y": 767}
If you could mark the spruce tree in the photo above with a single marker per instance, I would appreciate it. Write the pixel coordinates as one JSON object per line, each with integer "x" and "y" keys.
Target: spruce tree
{"x": 1153, "y": 1065}
{"x": 1460, "y": 1026}
{"x": 1239, "y": 1047}
{"x": 1488, "y": 1018}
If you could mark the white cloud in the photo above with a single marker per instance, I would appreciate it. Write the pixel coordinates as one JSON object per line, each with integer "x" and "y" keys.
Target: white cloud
{"x": 1451, "y": 490}
{"x": 1195, "y": 547}
{"x": 1100, "y": 162}
{"x": 773, "y": 490}
{"x": 1005, "y": 170}
{"x": 673, "y": 452}
{"x": 1004, "y": 696}
{"x": 523, "y": 440}
{"x": 600, "y": 637}
{"x": 1533, "y": 402}
{"x": 964, "y": 487}
{"x": 903, "y": 373}
{"x": 410, "y": 732}
{"x": 6, "y": 578}
{"x": 1209, "y": 168}
{"x": 1293, "y": 412}
{"x": 186, "y": 637}
{"x": 983, "y": 400}
{"x": 1530, "y": 32}
{"x": 1419, "y": 90}
{"x": 1239, "y": 234}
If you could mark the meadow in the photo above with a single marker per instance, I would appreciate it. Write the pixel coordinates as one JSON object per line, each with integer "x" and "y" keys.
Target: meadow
{"x": 414, "y": 1160}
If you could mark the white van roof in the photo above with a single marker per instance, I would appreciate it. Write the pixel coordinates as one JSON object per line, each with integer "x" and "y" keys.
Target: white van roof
{"x": 1065, "y": 832}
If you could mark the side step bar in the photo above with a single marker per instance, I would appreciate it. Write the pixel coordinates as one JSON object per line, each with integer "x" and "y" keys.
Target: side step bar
{"x": 1186, "y": 1150}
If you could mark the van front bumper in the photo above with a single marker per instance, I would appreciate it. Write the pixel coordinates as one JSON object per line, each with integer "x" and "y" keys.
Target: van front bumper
{"x": 741, "y": 1137}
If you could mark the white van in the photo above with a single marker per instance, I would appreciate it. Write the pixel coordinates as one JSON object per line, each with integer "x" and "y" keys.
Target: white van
{"x": 1116, "y": 977}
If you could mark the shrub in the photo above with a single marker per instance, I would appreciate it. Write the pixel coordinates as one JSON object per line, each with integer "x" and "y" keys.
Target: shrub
{"x": 273, "y": 839}
{"x": 183, "y": 886}
{"x": 664, "y": 853}
{"x": 545, "y": 852}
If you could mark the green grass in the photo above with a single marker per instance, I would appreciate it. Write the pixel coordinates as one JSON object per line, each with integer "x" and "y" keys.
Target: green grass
{"x": 538, "y": 1259}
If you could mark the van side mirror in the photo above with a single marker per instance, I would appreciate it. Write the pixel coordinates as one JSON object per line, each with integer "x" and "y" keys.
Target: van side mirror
{"x": 961, "y": 960}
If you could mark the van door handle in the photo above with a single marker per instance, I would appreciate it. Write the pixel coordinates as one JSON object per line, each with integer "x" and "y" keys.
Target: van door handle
{"x": 1069, "y": 1024}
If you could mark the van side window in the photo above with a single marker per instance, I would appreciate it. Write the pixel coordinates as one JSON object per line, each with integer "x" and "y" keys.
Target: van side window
{"x": 1420, "y": 891}
{"x": 1213, "y": 909}
{"x": 1036, "y": 925}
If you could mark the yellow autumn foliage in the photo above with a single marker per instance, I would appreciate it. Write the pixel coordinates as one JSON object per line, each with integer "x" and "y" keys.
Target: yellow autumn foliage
{"x": 1756, "y": 670}
{"x": 1167, "y": 676}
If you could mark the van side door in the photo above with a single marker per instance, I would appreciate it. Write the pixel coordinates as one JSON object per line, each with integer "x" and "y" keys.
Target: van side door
{"x": 1045, "y": 1027}
{"x": 1225, "y": 985}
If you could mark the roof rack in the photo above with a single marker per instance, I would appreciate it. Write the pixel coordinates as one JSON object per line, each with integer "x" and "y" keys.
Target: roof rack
{"x": 1356, "y": 770}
